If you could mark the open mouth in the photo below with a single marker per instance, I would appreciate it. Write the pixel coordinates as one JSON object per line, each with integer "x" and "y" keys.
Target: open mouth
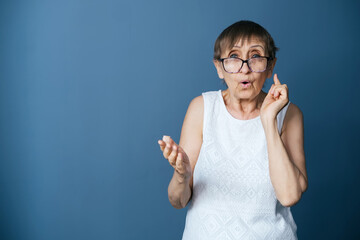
{"x": 245, "y": 84}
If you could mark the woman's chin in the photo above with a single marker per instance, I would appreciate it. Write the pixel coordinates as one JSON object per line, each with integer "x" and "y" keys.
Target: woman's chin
{"x": 247, "y": 94}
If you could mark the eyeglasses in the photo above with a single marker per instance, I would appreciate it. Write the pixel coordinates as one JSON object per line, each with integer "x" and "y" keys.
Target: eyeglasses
{"x": 255, "y": 64}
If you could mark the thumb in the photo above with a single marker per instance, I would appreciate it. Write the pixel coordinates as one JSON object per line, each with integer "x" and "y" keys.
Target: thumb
{"x": 167, "y": 139}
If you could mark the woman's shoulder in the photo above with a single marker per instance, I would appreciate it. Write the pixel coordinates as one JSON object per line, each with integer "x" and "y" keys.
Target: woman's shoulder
{"x": 210, "y": 96}
{"x": 196, "y": 105}
{"x": 293, "y": 110}
{"x": 293, "y": 116}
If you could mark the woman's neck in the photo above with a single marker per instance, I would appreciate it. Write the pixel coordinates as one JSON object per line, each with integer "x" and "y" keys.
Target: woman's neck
{"x": 243, "y": 108}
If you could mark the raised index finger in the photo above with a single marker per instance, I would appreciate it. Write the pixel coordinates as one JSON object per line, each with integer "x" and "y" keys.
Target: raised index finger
{"x": 276, "y": 79}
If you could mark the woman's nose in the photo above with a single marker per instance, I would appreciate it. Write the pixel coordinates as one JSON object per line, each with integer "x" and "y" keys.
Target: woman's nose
{"x": 245, "y": 68}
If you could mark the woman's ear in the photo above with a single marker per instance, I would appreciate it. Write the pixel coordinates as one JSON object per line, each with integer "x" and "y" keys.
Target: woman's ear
{"x": 218, "y": 67}
{"x": 270, "y": 71}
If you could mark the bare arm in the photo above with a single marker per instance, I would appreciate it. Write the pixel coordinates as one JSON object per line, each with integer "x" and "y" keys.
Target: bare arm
{"x": 183, "y": 157}
{"x": 286, "y": 157}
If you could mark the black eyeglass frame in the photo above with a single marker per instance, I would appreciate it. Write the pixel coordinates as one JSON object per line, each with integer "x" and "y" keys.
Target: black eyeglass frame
{"x": 245, "y": 61}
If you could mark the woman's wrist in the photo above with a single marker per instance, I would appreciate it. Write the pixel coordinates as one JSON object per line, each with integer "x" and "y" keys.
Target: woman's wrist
{"x": 179, "y": 190}
{"x": 269, "y": 122}
{"x": 182, "y": 178}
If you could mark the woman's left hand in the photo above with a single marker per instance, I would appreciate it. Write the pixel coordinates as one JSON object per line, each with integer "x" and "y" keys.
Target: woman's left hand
{"x": 275, "y": 100}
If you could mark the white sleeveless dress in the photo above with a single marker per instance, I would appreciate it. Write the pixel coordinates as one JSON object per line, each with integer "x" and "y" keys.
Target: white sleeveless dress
{"x": 233, "y": 197}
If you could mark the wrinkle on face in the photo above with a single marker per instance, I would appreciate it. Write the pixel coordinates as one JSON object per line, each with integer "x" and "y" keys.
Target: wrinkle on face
{"x": 244, "y": 101}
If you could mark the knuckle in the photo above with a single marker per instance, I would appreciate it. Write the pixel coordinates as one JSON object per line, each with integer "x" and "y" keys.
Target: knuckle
{"x": 173, "y": 153}
{"x": 171, "y": 160}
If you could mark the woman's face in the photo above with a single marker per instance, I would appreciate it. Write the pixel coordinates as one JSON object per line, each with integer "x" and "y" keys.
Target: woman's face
{"x": 245, "y": 50}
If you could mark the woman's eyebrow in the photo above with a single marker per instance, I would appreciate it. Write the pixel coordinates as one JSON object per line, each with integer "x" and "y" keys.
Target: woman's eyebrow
{"x": 253, "y": 46}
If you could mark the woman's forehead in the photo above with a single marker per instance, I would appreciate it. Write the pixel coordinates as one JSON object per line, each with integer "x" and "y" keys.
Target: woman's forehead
{"x": 246, "y": 43}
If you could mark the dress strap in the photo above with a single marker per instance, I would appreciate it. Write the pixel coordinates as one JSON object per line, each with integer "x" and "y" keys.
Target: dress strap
{"x": 209, "y": 105}
{"x": 281, "y": 116}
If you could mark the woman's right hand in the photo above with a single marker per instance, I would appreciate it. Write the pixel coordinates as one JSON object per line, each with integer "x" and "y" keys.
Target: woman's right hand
{"x": 176, "y": 156}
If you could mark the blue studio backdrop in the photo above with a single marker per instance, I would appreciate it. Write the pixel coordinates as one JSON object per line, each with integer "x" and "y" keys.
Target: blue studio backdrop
{"x": 88, "y": 87}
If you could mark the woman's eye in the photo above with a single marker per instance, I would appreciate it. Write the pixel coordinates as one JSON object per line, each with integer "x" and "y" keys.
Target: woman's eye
{"x": 255, "y": 56}
{"x": 233, "y": 55}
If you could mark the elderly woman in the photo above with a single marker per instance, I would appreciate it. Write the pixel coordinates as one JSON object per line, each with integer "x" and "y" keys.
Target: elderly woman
{"x": 240, "y": 159}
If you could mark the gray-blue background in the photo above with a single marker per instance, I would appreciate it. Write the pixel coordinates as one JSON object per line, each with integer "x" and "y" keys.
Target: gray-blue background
{"x": 88, "y": 87}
